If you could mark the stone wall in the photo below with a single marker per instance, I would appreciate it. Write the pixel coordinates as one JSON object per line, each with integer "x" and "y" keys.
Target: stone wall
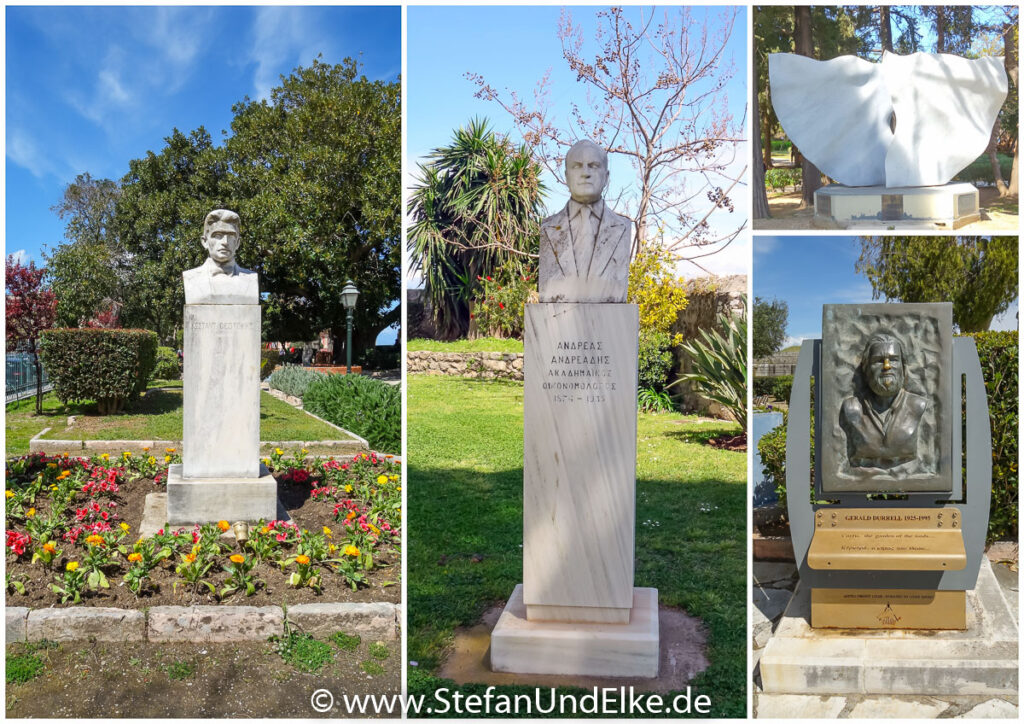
{"x": 780, "y": 364}
{"x": 708, "y": 297}
{"x": 482, "y": 365}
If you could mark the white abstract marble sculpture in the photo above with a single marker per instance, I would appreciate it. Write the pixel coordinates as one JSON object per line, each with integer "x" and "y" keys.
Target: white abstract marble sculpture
{"x": 584, "y": 248}
{"x": 914, "y": 120}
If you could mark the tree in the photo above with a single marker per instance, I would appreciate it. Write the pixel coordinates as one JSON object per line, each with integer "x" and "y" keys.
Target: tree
{"x": 760, "y": 203}
{"x": 85, "y": 270}
{"x": 810, "y": 175}
{"x": 475, "y": 211}
{"x": 316, "y": 178}
{"x": 654, "y": 96}
{"x": 31, "y": 308}
{"x": 978, "y": 275}
{"x": 770, "y": 319}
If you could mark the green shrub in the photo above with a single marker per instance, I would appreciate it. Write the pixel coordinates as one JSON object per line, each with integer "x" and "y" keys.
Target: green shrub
{"x": 167, "y": 366}
{"x": 777, "y": 179}
{"x": 719, "y": 363}
{"x": 110, "y": 366}
{"x": 780, "y": 146}
{"x": 980, "y": 170}
{"x": 293, "y": 380}
{"x": 269, "y": 359}
{"x": 370, "y": 408}
{"x": 999, "y": 366}
{"x": 498, "y": 308}
{"x": 655, "y": 361}
{"x": 382, "y": 357}
{"x": 779, "y": 386}
{"x": 22, "y": 667}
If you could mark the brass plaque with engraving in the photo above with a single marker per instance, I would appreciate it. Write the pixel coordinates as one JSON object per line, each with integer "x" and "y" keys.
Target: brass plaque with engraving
{"x": 888, "y": 609}
{"x": 887, "y": 539}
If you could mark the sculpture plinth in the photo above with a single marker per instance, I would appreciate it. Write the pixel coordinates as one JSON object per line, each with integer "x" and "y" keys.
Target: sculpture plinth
{"x": 949, "y": 206}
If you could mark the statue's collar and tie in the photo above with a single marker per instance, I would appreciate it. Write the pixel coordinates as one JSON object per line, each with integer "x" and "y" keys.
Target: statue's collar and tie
{"x": 214, "y": 269}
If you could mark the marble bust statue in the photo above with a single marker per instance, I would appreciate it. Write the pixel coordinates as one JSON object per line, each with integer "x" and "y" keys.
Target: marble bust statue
{"x": 882, "y": 424}
{"x": 220, "y": 280}
{"x": 584, "y": 248}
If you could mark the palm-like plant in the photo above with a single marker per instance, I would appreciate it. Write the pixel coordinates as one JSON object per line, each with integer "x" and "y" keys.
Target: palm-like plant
{"x": 719, "y": 360}
{"x": 475, "y": 210}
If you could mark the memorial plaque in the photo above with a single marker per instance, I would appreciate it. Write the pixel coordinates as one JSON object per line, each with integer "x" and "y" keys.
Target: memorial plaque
{"x": 221, "y": 423}
{"x": 887, "y": 539}
{"x": 887, "y": 405}
{"x": 579, "y": 461}
{"x": 888, "y": 609}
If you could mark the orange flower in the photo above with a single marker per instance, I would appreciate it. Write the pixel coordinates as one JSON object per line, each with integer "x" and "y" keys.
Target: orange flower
{"x": 302, "y": 559}
{"x": 264, "y": 530}
{"x": 351, "y": 551}
{"x": 96, "y": 540}
{"x": 134, "y": 557}
{"x": 50, "y": 547}
{"x": 63, "y": 474}
{"x": 351, "y": 515}
{"x": 190, "y": 558}
{"x": 238, "y": 558}
{"x": 224, "y": 526}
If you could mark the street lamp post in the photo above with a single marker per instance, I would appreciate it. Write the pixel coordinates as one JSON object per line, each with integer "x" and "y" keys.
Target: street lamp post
{"x": 349, "y": 295}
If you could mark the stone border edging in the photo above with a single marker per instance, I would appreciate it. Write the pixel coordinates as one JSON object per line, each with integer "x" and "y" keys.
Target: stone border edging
{"x": 485, "y": 365}
{"x": 209, "y": 624}
{"x": 116, "y": 447}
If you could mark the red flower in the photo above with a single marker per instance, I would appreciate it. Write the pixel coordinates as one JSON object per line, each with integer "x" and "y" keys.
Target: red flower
{"x": 489, "y": 279}
{"x": 500, "y": 305}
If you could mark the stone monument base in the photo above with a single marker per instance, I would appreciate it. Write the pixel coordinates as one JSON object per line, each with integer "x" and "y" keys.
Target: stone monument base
{"x": 208, "y": 500}
{"x": 982, "y": 660}
{"x": 941, "y": 207}
{"x": 578, "y": 649}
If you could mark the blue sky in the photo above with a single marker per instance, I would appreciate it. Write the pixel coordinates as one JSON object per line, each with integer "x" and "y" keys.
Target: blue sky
{"x": 512, "y": 48}
{"x": 809, "y": 271}
{"x": 88, "y": 89}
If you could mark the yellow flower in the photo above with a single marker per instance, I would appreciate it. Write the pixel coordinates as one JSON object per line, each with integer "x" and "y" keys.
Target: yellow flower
{"x": 30, "y": 512}
{"x": 195, "y": 550}
{"x": 238, "y": 558}
{"x": 348, "y": 488}
{"x": 266, "y": 461}
{"x": 393, "y": 478}
{"x": 105, "y": 456}
{"x": 125, "y": 527}
{"x": 351, "y": 551}
{"x": 331, "y": 547}
{"x": 50, "y": 547}
{"x": 94, "y": 539}
{"x": 327, "y": 531}
{"x": 52, "y": 487}
{"x": 382, "y": 480}
{"x": 375, "y": 529}
{"x": 72, "y": 566}
{"x": 224, "y": 526}
{"x": 151, "y": 460}
{"x": 278, "y": 451}
{"x": 302, "y": 559}
{"x": 9, "y": 493}
{"x": 51, "y": 465}
{"x": 126, "y": 454}
{"x": 167, "y": 458}
{"x": 264, "y": 530}
{"x": 304, "y": 451}
{"x": 134, "y": 557}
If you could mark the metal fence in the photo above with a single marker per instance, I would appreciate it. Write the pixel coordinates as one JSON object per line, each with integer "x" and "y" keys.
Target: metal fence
{"x": 21, "y": 376}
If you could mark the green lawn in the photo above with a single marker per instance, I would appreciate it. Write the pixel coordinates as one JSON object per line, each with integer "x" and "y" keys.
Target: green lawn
{"x": 483, "y": 344}
{"x": 465, "y": 446}
{"x": 157, "y": 416}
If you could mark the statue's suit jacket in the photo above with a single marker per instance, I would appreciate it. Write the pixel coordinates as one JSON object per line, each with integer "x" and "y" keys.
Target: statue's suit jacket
{"x": 608, "y": 276}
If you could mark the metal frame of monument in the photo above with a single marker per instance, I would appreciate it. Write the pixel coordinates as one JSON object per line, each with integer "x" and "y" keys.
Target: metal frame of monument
{"x": 969, "y": 499}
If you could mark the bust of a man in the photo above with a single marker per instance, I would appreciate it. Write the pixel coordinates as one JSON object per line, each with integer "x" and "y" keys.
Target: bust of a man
{"x": 881, "y": 426}
{"x": 220, "y": 280}
{"x": 584, "y": 248}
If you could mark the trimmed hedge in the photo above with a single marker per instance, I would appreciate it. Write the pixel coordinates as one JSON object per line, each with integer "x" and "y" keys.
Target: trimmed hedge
{"x": 110, "y": 366}
{"x": 167, "y": 366}
{"x": 998, "y": 353}
{"x": 293, "y": 380}
{"x": 779, "y": 387}
{"x": 370, "y": 408}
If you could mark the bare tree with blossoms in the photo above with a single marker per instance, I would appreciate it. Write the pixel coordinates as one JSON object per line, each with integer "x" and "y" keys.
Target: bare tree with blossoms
{"x": 31, "y": 308}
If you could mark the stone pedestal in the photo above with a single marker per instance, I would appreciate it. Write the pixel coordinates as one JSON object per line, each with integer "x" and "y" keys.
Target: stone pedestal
{"x": 220, "y": 477}
{"x": 981, "y": 660}
{"x": 579, "y": 500}
{"x": 941, "y": 207}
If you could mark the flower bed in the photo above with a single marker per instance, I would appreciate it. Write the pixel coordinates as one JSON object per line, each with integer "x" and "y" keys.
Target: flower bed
{"x": 70, "y": 524}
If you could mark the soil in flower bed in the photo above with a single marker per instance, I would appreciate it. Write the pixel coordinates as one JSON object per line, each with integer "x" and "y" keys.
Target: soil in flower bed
{"x": 736, "y": 443}
{"x": 244, "y": 680}
{"x": 381, "y": 584}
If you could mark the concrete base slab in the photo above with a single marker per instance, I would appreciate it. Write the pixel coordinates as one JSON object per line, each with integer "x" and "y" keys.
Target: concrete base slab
{"x": 154, "y": 517}
{"x": 982, "y": 660}
{"x": 799, "y": 706}
{"x": 207, "y": 500}
{"x": 585, "y": 649}
{"x": 682, "y": 644}
{"x": 915, "y": 207}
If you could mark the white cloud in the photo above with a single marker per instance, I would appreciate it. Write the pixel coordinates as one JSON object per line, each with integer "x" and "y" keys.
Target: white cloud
{"x": 283, "y": 37}
{"x": 25, "y": 152}
{"x": 21, "y": 256}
